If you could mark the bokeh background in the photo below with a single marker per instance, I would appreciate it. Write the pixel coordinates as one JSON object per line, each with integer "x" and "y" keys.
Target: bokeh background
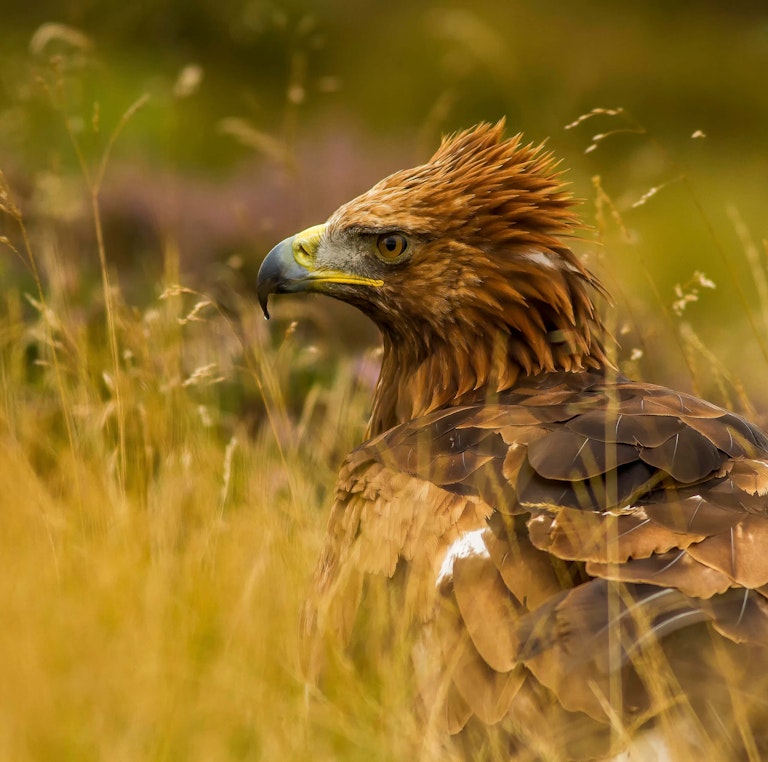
{"x": 166, "y": 457}
{"x": 262, "y": 117}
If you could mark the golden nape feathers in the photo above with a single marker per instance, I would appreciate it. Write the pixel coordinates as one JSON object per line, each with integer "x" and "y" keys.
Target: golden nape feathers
{"x": 576, "y": 561}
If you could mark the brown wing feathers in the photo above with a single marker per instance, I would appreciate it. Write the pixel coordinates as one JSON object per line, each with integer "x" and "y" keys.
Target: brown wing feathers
{"x": 590, "y": 481}
{"x": 570, "y": 553}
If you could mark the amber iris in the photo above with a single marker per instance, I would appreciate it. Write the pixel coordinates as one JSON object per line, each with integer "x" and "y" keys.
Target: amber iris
{"x": 391, "y": 245}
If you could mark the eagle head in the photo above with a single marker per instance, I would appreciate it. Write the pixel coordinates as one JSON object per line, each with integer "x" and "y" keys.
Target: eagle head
{"x": 463, "y": 264}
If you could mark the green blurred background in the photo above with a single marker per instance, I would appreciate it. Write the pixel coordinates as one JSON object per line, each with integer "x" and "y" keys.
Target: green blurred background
{"x": 263, "y": 117}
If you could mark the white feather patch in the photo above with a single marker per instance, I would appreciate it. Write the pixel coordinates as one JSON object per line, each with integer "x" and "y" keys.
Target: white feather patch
{"x": 469, "y": 544}
{"x": 550, "y": 260}
{"x": 540, "y": 258}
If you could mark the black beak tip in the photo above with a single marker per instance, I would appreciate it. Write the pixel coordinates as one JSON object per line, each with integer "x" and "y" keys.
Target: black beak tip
{"x": 277, "y": 272}
{"x": 268, "y": 280}
{"x": 263, "y": 298}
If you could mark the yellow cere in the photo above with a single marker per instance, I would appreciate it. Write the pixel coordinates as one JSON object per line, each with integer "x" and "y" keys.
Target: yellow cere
{"x": 305, "y": 253}
{"x": 305, "y": 245}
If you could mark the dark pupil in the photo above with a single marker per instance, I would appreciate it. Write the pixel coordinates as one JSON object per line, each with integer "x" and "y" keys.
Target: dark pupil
{"x": 390, "y": 243}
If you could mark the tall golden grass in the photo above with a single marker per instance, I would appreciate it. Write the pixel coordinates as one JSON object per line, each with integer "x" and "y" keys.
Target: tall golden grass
{"x": 154, "y": 565}
{"x": 155, "y": 548}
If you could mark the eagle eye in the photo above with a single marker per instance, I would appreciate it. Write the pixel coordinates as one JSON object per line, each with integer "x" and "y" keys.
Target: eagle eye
{"x": 391, "y": 245}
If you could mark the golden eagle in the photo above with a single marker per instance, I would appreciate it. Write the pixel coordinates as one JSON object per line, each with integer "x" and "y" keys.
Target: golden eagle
{"x": 580, "y": 560}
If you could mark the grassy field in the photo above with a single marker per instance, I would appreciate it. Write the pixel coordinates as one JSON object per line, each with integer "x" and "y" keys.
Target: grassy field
{"x": 158, "y": 538}
{"x": 155, "y": 549}
{"x": 166, "y": 467}
{"x": 156, "y": 546}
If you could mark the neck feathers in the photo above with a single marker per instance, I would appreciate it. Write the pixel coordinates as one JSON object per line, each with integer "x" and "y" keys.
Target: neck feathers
{"x": 472, "y": 357}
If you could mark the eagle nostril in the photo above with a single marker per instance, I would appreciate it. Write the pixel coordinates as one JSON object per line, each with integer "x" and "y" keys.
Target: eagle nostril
{"x": 305, "y": 253}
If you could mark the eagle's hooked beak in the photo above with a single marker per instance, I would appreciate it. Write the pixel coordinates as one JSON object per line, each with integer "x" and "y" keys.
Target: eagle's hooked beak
{"x": 292, "y": 266}
{"x": 288, "y": 266}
